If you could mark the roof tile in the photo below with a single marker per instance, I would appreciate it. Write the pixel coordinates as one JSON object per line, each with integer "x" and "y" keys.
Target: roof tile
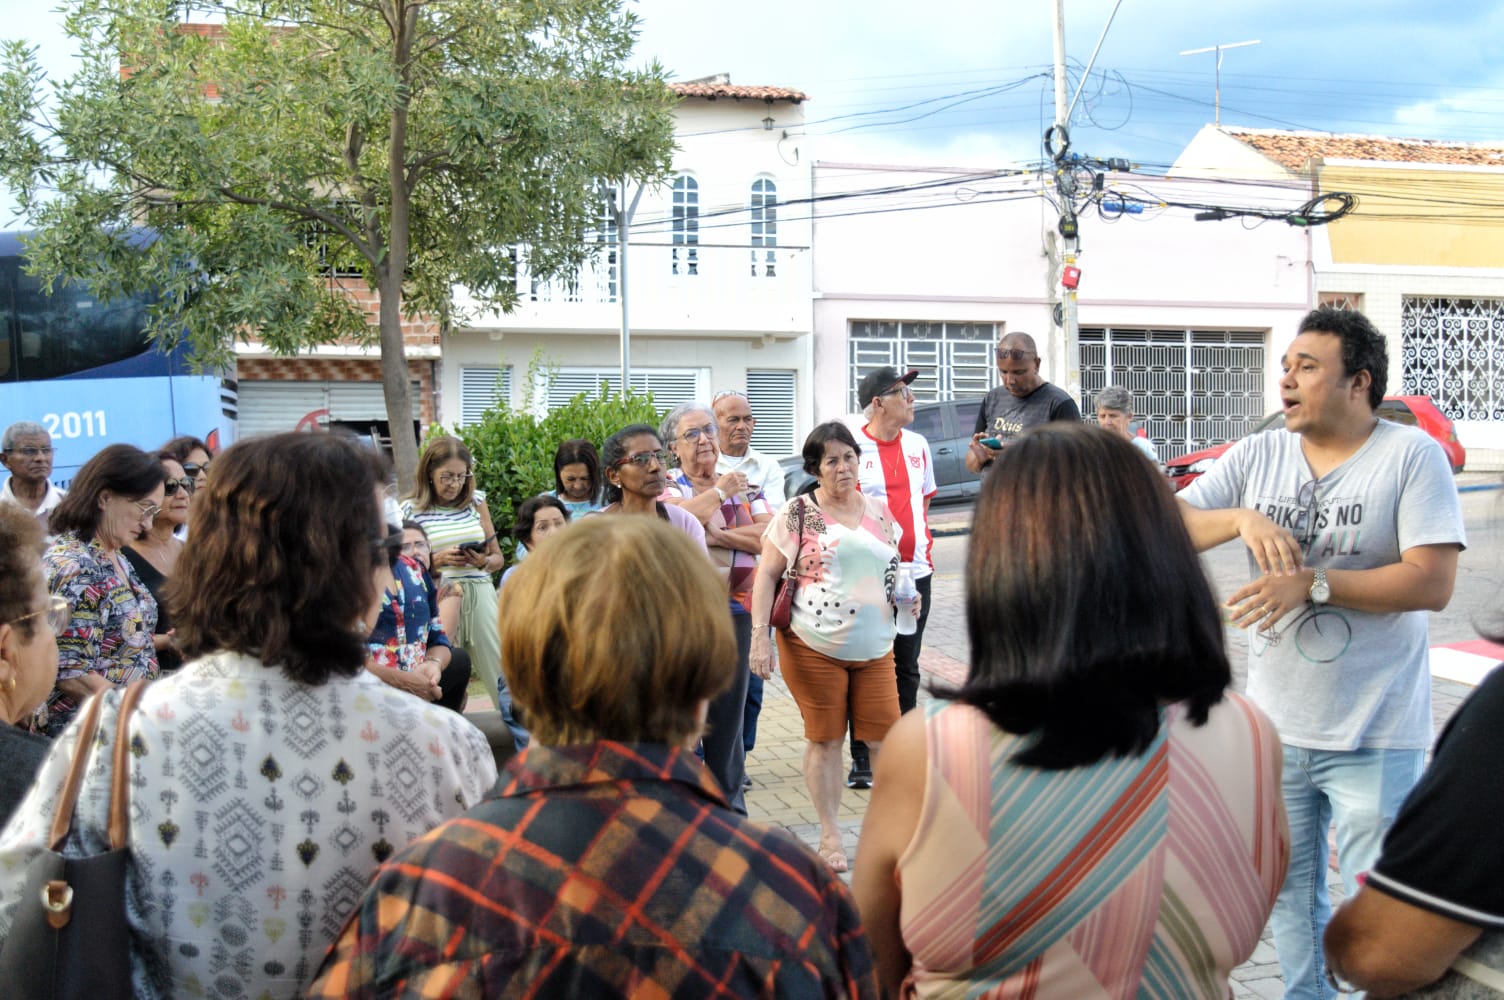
{"x": 712, "y": 91}
{"x": 1293, "y": 149}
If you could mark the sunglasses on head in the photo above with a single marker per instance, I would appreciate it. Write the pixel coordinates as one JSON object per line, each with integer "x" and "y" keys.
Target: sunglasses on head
{"x": 1013, "y": 354}
{"x": 170, "y": 487}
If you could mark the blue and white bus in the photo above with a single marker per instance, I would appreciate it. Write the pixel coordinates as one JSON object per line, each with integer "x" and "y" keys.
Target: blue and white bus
{"x": 85, "y": 370}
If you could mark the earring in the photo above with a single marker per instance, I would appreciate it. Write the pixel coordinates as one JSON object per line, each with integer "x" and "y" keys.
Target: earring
{"x": 10, "y": 683}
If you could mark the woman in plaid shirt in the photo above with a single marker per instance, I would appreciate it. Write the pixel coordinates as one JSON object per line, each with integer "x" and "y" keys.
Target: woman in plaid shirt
{"x": 607, "y": 863}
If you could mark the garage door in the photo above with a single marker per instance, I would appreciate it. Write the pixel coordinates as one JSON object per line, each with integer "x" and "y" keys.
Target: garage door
{"x": 1191, "y": 388}
{"x": 272, "y": 407}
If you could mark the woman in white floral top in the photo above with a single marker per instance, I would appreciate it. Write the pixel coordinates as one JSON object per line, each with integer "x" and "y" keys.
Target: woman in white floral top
{"x": 837, "y": 654}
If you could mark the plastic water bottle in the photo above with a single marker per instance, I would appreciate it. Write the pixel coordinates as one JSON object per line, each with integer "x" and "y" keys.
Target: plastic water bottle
{"x": 904, "y": 595}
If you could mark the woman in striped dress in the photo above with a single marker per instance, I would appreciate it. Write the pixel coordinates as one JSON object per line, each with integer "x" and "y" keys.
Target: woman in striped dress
{"x": 1092, "y": 813}
{"x": 463, "y": 540}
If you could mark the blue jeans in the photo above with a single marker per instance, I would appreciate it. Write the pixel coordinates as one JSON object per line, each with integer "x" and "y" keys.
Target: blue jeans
{"x": 1361, "y": 790}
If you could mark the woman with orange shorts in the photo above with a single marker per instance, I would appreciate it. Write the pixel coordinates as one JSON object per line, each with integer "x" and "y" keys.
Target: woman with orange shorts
{"x": 837, "y": 653}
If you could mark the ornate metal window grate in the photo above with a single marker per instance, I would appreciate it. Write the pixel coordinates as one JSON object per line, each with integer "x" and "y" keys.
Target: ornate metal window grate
{"x": 1453, "y": 351}
{"x": 954, "y": 359}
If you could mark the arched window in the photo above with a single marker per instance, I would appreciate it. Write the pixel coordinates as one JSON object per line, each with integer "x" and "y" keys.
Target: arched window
{"x": 686, "y": 258}
{"x": 764, "y": 227}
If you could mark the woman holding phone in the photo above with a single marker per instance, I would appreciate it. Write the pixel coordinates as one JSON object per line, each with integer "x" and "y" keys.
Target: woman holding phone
{"x": 454, "y": 514}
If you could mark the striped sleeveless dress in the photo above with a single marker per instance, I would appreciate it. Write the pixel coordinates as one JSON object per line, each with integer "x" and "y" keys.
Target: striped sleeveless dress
{"x": 1147, "y": 877}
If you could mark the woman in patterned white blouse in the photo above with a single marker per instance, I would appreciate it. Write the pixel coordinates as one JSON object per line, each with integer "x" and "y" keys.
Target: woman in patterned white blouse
{"x": 272, "y": 773}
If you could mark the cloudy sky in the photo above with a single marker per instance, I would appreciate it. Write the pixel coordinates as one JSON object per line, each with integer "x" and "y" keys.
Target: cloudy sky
{"x": 966, "y": 82}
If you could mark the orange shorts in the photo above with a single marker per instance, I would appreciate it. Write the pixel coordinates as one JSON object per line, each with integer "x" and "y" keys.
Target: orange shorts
{"x": 830, "y": 691}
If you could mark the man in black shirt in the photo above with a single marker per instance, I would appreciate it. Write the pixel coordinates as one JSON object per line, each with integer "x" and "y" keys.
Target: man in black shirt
{"x": 1022, "y": 401}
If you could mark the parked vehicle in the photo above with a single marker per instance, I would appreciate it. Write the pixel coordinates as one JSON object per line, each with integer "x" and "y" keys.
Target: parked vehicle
{"x": 947, "y": 426}
{"x": 1415, "y": 411}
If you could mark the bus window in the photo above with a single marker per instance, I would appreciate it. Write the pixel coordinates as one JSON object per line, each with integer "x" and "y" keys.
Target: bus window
{"x": 70, "y": 331}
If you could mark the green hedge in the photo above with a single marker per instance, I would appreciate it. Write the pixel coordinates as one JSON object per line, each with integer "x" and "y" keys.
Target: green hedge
{"x": 514, "y": 449}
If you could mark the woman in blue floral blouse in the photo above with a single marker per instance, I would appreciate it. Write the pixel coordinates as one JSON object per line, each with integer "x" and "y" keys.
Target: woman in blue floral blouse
{"x": 108, "y": 641}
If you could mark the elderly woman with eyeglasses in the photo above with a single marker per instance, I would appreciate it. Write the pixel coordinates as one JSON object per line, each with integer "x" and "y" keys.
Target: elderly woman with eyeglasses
{"x": 30, "y": 619}
{"x": 155, "y": 552}
{"x": 733, "y": 517}
{"x": 108, "y": 641}
{"x": 637, "y": 470}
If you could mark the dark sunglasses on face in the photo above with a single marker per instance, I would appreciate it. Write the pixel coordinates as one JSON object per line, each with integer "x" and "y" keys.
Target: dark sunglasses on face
{"x": 194, "y": 471}
{"x": 1005, "y": 354}
{"x": 171, "y": 487}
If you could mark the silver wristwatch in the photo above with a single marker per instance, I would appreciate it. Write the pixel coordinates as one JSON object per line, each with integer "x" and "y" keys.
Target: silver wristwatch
{"x": 1321, "y": 591}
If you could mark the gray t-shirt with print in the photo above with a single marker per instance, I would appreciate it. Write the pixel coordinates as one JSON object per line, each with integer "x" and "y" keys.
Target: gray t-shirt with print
{"x": 1333, "y": 678}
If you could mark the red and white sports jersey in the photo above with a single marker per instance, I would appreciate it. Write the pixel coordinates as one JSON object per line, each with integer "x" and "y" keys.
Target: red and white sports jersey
{"x": 901, "y": 473}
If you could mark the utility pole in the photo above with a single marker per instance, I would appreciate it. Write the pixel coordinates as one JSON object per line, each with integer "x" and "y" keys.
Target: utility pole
{"x": 1065, "y": 191}
{"x": 621, "y": 214}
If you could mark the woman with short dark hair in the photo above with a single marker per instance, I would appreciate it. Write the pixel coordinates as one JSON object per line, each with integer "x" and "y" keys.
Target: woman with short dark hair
{"x": 837, "y": 651}
{"x": 154, "y": 553}
{"x": 1123, "y": 804}
{"x": 607, "y": 863}
{"x": 108, "y": 642}
{"x": 271, "y": 773}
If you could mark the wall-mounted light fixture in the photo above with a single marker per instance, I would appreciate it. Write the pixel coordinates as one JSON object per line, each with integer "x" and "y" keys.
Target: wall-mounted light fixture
{"x": 767, "y": 124}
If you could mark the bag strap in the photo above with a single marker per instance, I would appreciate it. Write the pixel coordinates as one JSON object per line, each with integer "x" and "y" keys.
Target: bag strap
{"x": 62, "y": 819}
{"x": 120, "y": 780}
{"x": 88, "y": 730}
{"x": 791, "y": 571}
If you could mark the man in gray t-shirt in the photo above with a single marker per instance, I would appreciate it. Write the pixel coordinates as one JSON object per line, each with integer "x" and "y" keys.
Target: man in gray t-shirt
{"x": 1353, "y": 527}
{"x": 1024, "y": 400}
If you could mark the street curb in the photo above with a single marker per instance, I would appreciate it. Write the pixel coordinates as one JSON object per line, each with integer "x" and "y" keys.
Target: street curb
{"x": 949, "y": 530}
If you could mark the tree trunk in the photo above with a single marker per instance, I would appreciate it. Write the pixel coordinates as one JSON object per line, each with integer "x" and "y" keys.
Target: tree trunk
{"x": 395, "y": 382}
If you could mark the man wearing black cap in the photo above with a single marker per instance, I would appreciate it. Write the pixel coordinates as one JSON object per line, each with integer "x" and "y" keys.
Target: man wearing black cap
{"x": 1022, "y": 401}
{"x": 895, "y": 467}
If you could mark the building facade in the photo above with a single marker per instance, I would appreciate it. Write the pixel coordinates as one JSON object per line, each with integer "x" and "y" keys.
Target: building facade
{"x": 927, "y": 269}
{"x": 1422, "y": 255}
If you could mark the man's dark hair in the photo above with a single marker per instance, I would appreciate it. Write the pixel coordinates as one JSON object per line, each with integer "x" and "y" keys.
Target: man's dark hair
{"x": 1363, "y": 346}
{"x": 285, "y": 538}
{"x": 1090, "y": 611}
{"x": 814, "y": 445}
{"x": 122, "y": 469}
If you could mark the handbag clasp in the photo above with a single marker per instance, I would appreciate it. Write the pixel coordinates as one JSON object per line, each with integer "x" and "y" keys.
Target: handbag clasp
{"x": 57, "y": 900}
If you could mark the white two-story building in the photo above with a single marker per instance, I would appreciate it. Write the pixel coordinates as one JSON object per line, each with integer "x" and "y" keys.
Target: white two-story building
{"x": 717, "y": 283}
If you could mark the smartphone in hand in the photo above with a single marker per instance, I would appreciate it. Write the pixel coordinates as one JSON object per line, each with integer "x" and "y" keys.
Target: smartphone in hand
{"x": 991, "y": 442}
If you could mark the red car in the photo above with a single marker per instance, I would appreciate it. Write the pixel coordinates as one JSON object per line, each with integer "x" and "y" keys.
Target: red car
{"x": 1417, "y": 411}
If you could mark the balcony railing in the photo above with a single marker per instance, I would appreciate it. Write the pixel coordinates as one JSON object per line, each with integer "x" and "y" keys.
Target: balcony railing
{"x": 661, "y": 270}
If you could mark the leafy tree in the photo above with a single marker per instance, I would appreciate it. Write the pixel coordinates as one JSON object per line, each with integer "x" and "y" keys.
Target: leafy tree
{"x": 411, "y": 142}
{"x": 514, "y": 450}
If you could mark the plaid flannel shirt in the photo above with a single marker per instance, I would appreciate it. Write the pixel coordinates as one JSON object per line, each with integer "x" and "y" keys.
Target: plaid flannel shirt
{"x": 603, "y": 870}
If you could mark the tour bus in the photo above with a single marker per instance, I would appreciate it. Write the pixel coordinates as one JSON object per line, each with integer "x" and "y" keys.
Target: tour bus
{"x": 85, "y": 370}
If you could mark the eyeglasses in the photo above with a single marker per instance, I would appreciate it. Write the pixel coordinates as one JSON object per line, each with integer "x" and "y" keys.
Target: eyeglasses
{"x": 451, "y": 479}
{"x": 1013, "y": 354}
{"x": 1309, "y": 515}
{"x": 28, "y": 452}
{"x": 643, "y": 459}
{"x": 901, "y": 388}
{"x": 692, "y": 434}
{"x": 414, "y": 546}
{"x": 57, "y": 611}
{"x": 194, "y": 471}
{"x": 148, "y": 509}
{"x": 171, "y": 486}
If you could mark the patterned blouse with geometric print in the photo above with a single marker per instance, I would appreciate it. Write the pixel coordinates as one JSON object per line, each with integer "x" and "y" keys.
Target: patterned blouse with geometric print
{"x": 260, "y": 806}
